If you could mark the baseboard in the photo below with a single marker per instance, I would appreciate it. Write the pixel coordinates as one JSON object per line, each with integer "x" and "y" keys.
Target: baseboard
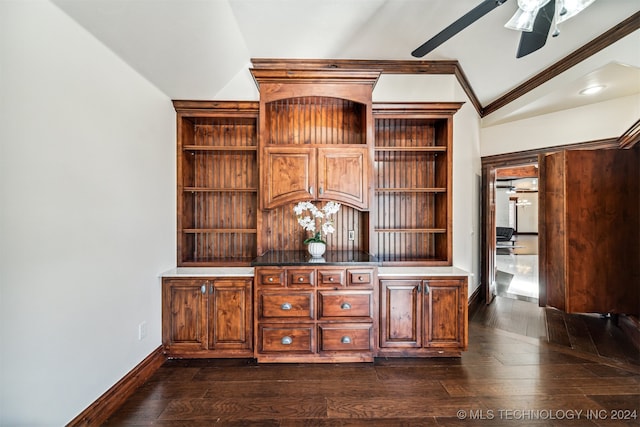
{"x": 475, "y": 299}
{"x": 100, "y": 410}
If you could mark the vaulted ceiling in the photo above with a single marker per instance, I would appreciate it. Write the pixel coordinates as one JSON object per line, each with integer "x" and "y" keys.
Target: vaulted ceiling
{"x": 197, "y": 49}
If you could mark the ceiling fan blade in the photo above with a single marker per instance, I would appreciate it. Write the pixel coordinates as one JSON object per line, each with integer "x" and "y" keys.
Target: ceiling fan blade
{"x": 460, "y": 24}
{"x": 535, "y": 39}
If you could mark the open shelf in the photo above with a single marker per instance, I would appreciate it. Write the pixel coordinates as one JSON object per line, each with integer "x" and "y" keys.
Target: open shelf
{"x": 412, "y": 173}
{"x": 217, "y": 184}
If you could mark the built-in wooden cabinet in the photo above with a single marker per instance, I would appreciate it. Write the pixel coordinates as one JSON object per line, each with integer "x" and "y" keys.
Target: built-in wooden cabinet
{"x": 316, "y": 143}
{"x": 323, "y": 314}
{"x": 292, "y": 174}
{"x": 423, "y": 316}
{"x": 218, "y": 182}
{"x": 590, "y": 209}
{"x": 316, "y": 135}
{"x": 207, "y": 317}
{"x": 413, "y": 183}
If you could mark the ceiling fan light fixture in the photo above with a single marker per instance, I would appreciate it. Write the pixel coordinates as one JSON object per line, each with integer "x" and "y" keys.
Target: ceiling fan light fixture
{"x": 526, "y": 14}
{"x": 571, "y": 8}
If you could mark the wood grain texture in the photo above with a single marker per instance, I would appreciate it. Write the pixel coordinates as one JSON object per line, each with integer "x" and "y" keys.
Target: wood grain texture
{"x": 501, "y": 371}
{"x": 100, "y": 410}
{"x": 591, "y": 209}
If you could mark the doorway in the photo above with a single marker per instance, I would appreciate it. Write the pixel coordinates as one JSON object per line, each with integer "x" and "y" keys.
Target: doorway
{"x": 490, "y": 166}
{"x": 516, "y": 214}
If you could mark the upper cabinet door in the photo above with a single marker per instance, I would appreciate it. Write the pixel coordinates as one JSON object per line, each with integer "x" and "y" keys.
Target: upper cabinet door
{"x": 288, "y": 175}
{"x": 342, "y": 175}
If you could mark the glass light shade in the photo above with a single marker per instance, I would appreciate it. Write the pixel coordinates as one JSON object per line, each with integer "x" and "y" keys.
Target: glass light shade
{"x": 526, "y": 14}
{"x": 572, "y": 8}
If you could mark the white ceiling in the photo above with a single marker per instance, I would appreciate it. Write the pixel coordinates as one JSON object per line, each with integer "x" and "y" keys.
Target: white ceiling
{"x": 194, "y": 49}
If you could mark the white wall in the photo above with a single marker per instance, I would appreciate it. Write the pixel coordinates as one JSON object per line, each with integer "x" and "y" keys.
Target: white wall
{"x": 603, "y": 120}
{"x": 87, "y": 219}
{"x": 466, "y": 158}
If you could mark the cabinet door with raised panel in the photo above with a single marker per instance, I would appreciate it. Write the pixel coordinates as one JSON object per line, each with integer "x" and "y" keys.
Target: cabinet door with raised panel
{"x": 343, "y": 175}
{"x": 288, "y": 174}
{"x": 230, "y": 314}
{"x": 445, "y": 323}
{"x": 184, "y": 315}
{"x": 400, "y": 313}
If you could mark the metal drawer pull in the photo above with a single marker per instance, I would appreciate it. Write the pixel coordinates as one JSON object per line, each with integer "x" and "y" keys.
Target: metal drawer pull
{"x": 360, "y": 278}
{"x": 345, "y": 340}
{"x": 286, "y": 306}
{"x": 331, "y": 279}
{"x": 286, "y": 340}
{"x": 300, "y": 279}
{"x": 345, "y": 306}
{"x": 270, "y": 279}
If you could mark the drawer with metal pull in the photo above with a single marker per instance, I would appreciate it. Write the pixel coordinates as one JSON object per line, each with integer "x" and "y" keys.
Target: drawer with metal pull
{"x": 270, "y": 277}
{"x": 360, "y": 277}
{"x": 332, "y": 304}
{"x": 293, "y": 339}
{"x": 300, "y": 278}
{"x": 341, "y": 337}
{"x": 331, "y": 278}
{"x": 290, "y": 304}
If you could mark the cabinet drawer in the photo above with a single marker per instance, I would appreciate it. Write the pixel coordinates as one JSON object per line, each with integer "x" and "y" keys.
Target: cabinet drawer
{"x": 345, "y": 304}
{"x": 300, "y": 278}
{"x": 273, "y": 277}
{"x": 331, "y": 278}
{"x": 298, "y": 305}
{"x": 360, "y": 277}
{"x": 297, "y": 339}
{"x": 345, "y": 337}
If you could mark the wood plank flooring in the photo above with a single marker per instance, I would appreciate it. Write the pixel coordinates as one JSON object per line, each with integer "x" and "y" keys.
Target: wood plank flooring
{"x": 507, "y": 378}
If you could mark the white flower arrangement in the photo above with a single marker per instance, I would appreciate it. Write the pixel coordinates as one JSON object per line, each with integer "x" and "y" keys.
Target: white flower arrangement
{"x": 318, "y": 221}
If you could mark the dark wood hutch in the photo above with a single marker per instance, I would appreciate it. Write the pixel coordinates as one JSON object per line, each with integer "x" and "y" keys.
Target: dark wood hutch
{"x": 314, "y": 135}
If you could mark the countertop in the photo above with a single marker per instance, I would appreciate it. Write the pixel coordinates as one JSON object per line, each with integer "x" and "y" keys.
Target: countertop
{"x": 249, "y": 271}
{"x": 302, "y": 258}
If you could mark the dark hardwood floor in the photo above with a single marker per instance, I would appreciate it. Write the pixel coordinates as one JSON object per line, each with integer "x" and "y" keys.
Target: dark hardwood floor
{"x": 512, "y": 374}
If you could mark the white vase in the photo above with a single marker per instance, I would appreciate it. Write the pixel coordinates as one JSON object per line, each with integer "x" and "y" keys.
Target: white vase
{"x": 316, "y": 249}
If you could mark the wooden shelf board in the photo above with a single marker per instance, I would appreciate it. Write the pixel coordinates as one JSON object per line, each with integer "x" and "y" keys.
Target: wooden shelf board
{"x": 417, "y": 149}
{"x": 210, "y": 262}
{"x": 412, "y": 190}
{"x": 411, "y": 230}
{"x": 219, "y": 230}
{"x": 219, "y": 148}
{"x": 219, "y": 190}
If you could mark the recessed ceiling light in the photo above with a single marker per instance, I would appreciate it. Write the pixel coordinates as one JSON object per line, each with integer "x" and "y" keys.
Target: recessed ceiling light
{"x": 591, "y": 90}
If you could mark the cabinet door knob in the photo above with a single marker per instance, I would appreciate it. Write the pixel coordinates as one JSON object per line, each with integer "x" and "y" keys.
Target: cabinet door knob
{"x": 311, "y": 190}
{"x": 419, "y": 288}
{"x": 300, "y": 279}
{"x": 270, "y": 279}
{"x": 285, "y": 306}
{"x": 203, "y": 288}
{"x": 426, "y": 288}
{"x": 360, "y": 278}
{"x": 320, "y": 190}
{"x": 331, "y": 279}
{"x": 286, "y": 340}
{"x": 345, "y": 340}
{"x": 345, "y": 306}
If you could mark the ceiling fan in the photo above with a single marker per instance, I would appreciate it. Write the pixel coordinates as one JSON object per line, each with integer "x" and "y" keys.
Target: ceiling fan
{"x": 533, "y": 18}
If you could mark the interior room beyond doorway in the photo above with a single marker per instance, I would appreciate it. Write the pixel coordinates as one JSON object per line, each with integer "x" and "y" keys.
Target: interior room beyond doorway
{"x": 517, "y": 209}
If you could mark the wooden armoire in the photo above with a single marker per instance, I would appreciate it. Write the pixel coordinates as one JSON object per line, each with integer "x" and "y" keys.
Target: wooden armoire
{"x": 590, "y": 239}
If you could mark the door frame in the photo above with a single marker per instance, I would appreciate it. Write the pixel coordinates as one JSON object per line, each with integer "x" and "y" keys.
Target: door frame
{"x": 488, "y": 244}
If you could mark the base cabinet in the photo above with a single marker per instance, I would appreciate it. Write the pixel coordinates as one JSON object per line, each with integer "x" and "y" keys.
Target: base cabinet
{"x": 315, "y": 314}
{"x": 423, "y": 317}
{"x": 207, "y": 317}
